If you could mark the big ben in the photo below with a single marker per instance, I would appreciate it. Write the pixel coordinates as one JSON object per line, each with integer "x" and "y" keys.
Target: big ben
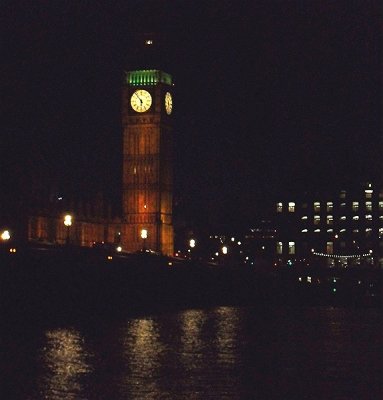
{"x": 147, "y": 111}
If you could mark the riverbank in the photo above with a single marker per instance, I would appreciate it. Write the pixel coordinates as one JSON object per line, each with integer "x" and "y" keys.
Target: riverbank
{"x": 85, "y": 281}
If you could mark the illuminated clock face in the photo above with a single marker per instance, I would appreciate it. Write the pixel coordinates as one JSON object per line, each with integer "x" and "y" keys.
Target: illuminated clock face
{"x": 168, "y": 103}
{"x": 141, "y": 100}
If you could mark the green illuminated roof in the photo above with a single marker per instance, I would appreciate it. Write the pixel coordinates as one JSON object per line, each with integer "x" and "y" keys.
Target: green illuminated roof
{"x": 148, "y": 77}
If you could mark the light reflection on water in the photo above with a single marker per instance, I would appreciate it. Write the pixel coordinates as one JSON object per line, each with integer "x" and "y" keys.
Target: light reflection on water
{"x": 219, "y": 353}
{"x": 192, "y": 345}
{"x": 228, "y": 341}
{"x": 142, "y": 350}
{"x": 64, "y": 359}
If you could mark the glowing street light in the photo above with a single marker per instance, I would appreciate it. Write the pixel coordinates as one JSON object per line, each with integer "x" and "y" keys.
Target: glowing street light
{"x": 5, "y": 235}
{"x": 144, "y": 236}
{"x": 224, "y": 250}
{"x": 68, "y": 224}
{"x": 192, "y": 244}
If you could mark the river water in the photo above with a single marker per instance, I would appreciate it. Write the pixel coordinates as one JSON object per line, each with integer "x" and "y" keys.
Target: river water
{"x": 221, "y": 352}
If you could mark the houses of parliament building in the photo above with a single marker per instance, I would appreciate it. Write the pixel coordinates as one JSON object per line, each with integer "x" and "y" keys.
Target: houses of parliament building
{"x": 147, "y": 177}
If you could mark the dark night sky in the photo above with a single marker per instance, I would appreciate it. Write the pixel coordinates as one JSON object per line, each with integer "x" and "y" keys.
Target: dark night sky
{"x": 270, "y": 96}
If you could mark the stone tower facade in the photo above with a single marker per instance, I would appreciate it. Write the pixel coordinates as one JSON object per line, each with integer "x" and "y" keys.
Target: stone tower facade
{"x": 147, "y": 161}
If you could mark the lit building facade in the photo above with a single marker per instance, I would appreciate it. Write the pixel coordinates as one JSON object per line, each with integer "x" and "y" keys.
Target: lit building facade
{"x": 147, "y": 177}
{"x": 88, "y": 227}
{"x": 342, "y": 229}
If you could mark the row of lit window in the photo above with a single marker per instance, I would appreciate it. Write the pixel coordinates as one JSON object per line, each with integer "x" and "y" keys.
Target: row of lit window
{"x": 330, "y": 218}
{"x": 292, "y": 248}
{"x": 342, "y": 230}
{"x": 368, "y": 193}
{"x": 329, "y": 206}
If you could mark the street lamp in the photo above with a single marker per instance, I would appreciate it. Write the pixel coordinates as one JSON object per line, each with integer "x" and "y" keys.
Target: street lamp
{"x": 5, "y": 235}
{"x": 192, "y": 243}
{"x": 68, "y": 224}
{"x": 144, "y": 236}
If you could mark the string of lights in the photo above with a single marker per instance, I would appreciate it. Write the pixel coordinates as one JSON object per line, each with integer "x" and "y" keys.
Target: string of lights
{"x": 343, "y": 256}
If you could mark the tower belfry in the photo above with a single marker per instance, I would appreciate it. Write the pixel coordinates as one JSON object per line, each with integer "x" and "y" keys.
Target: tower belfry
{"x": 147, "y": 105}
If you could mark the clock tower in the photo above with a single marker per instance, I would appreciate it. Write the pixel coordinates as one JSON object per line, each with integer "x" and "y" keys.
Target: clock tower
{"x": 147, "y": 105}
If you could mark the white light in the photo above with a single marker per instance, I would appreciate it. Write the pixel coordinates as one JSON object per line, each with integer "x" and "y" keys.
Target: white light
{"x": 192, "y": 243}
{"x": 119, "y": 249}
{"x": 68, "y": 220}
{"x": 239, "y": 243}
{"x": 224, "y": 250}
{"x": 5, "y": 235}
{"x": 144, "y": 233}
